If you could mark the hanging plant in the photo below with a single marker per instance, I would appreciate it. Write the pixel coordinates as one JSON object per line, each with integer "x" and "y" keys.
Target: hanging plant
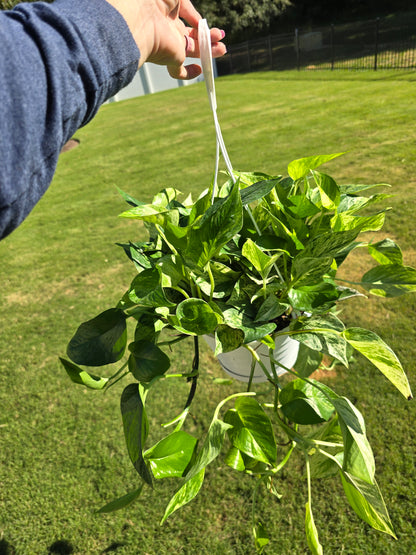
{"x": 248, "y": 264}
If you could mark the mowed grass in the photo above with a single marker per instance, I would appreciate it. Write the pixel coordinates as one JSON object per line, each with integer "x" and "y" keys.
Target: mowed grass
{"x": 62, "y": 452}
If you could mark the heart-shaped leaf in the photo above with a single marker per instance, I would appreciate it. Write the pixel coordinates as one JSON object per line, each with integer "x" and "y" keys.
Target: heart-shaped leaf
{"x": 101, "y": 340}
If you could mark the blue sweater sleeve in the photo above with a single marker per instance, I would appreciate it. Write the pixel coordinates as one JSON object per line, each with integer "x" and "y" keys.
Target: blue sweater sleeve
{"x": 58, "y": 63}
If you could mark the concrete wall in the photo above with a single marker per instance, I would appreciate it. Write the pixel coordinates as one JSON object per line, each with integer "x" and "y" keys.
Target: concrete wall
{"x": 152, "y": 78}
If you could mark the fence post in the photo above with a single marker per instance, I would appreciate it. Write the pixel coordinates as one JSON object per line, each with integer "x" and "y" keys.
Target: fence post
{"x": 376, "y": 43}
{"x": 297, "y": 49}
{"x": 270, "y": 51}
{"x": 248, "y": 56}
{"x": 332, "y": 48}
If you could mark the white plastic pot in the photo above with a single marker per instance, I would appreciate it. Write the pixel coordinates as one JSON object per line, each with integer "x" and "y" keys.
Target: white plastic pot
{"x": 237, "y": 363}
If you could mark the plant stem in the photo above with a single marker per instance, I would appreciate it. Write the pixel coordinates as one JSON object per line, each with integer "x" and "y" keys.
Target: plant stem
{"x": 118, "y": 379}
{"x": 285, "y": 460}
{"x": 253, "y": 507}
{"x": 179, "y": 420}
{"x": 326, "y": 454}
{"x": 118, "y": 371}
{"x": 224, "y": 401}
{"x": 211, "y": 281}
{"x": 195, "y": 369}
{"x": 308, "y": 474}
{"x": 327, "y": 443}
{"x": 250, "y": 380}
{"x": 181, "y": 291}
{"x": 176, "y": 340}
{"x": 257, "y": 358}
{"x": 293, "y": 434}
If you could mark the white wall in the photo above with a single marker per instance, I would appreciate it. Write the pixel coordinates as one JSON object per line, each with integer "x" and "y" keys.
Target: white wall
{"x": 152, "y": 78}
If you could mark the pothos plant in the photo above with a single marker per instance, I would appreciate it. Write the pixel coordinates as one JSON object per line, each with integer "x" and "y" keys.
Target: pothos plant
{"x": 252, "y": 263}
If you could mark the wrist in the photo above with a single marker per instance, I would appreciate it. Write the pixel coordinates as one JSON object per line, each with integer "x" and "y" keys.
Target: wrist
{"x": 138, "y": 17}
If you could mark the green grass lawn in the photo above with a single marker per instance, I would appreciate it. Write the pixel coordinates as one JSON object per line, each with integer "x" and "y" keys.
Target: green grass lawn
{"x": 62, "y": 452}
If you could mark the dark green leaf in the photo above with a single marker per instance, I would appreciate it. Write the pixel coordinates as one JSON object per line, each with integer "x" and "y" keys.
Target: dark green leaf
{"x": 240, "y": 319}
{"x": 121, "y": 502}
{"x": 171, "y": 456}
{"x": 258, "y": 190}
{"x": 314, "y": 298}
{"x": 284, "y": 230}
{"x": 176, "y": 235}
{"x": 227, "y": 339}
{"x": 303, "y": 403}
{"x": 146, "y": 289}
{"x": 270, "y": 309}
{"x": 145, "y": 328}
{"x": 330, "y": 243}
{"x": 302, "y": 207}
{"x": 78, "y": 375}
{"x": 376, "y": 351}
{"x": 217, "y": 226}
{"x": 308, "y": 360}
{"x": 307, "y": 270}
{"x": 135, "y": 426}
{"x": 196, "y": 316}
{"x": 323, "y": 333}
{"x": 147, "y": 361}
{"x": 101, "y": 340}
{"x": 129, "y": 199}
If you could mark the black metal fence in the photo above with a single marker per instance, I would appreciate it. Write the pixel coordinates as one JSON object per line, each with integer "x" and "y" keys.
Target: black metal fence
{"x": 382, "y": 43}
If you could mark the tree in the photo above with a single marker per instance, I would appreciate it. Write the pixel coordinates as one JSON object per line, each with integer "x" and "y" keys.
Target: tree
{"x": 304, "y": 12}
{"x": 242, "y": 19}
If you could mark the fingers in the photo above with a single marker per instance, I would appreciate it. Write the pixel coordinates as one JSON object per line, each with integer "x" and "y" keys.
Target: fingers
{"x": 189, "y": 13}
{"x": 215, "y": 33}
{"x": 184, "y": 72}
{"x": 218, "y": 48}
{"x": 189, "y": 36}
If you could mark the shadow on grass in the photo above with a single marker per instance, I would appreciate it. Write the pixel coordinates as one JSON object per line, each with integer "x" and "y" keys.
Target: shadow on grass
{"x": 112, "y": 547}
{"x": 60, "y": 547}
{"x": 6, "y": 548}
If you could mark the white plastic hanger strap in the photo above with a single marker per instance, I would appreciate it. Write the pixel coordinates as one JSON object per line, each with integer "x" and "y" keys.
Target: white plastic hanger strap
{"x": 204, "y": 39}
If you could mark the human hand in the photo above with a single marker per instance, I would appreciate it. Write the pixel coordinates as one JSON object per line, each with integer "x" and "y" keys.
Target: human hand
{"x": 162, "y": 36}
